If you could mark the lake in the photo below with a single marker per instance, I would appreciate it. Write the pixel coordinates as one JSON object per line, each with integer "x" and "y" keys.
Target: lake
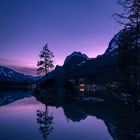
{"x": 23, "y": 117}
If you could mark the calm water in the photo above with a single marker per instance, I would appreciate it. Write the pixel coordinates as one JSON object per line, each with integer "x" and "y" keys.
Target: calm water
{"x": 22, "y": 117}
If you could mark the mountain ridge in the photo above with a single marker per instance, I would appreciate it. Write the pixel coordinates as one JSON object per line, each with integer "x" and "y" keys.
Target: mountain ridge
{"x": 9, "y": 75}
{"x": 79, "y": 65}
{"x": 102, "y": 69}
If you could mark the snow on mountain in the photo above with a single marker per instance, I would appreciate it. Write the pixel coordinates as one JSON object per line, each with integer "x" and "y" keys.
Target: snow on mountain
{"x": 10, "y": 75}
{"x": 128, "y": 34}
{"x": 113, "y": 44}
{"x": 83, "y": 62}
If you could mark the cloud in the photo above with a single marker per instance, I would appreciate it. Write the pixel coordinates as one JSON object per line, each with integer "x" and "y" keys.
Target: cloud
{"x": 19, "y": 66}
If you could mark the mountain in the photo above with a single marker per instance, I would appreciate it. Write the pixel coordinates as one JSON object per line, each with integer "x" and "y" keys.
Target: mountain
{"x": 18, "y": 66}
{"x": 101, "y": 69}
{"x": 71, "y": 63}
{"x": 9, "y": 75}
{"x": 113, "y": 44}
{"x": 76, "y": 58}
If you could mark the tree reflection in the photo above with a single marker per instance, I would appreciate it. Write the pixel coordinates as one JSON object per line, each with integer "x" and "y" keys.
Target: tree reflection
{"x": 45, "y": 120}
{"x": 121, "y": 121}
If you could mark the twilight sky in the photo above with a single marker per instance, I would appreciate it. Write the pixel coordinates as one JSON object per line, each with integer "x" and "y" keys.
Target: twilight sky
{"x": 66, "y": 25}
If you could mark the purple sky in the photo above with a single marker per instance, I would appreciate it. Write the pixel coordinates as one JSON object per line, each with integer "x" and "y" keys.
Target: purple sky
{"x": 66, "y": 25}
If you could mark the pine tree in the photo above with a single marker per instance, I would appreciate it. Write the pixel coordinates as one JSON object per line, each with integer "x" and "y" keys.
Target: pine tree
{"x": 129, "y": 46}
{"x": 126, "y": 59}
{"x": 46, "y": 63}
{"x": 130, "y": 17}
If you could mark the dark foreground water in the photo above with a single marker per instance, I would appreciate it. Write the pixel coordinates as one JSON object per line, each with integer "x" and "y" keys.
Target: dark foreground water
{"x": 22, "y": 117}
{"x": 18, "y": 121}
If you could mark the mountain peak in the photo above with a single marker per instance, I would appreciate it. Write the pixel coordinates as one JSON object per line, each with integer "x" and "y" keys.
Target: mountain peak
{"x": 78, "y": 54}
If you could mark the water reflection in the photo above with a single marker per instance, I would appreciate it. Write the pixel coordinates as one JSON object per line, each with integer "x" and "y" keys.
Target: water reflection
{"x": 122, "y": 123}
{"x": 45, "y": 121}
{"x": 70, "y": 119}
{"x": 9, "y": 96}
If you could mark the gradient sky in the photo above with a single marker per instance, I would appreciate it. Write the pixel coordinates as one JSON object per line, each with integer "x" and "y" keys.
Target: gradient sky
{"x": 66, "y": 25}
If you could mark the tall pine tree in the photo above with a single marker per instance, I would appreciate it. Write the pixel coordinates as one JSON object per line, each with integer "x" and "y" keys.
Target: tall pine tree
{"x": 45, "y": 63}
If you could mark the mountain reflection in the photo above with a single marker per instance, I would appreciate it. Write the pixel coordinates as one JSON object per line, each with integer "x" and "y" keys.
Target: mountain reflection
{"x": 45, "y": 121}
{"x": 8, "y": 96}
{"x": 121, "y": 122}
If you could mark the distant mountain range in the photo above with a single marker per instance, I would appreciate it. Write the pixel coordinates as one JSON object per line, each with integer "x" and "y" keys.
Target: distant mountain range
{"x": 11, "y": 76}
{"x": 19, "y": 66}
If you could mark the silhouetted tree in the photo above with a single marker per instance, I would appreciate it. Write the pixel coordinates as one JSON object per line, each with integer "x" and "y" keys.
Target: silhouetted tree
{"x": 45, "y": 120}
{"x": 129, "y": 47}
{"x": 130, "y": 17}
{"x": 46, "y": 63}
{"x": 129, "y": 44}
